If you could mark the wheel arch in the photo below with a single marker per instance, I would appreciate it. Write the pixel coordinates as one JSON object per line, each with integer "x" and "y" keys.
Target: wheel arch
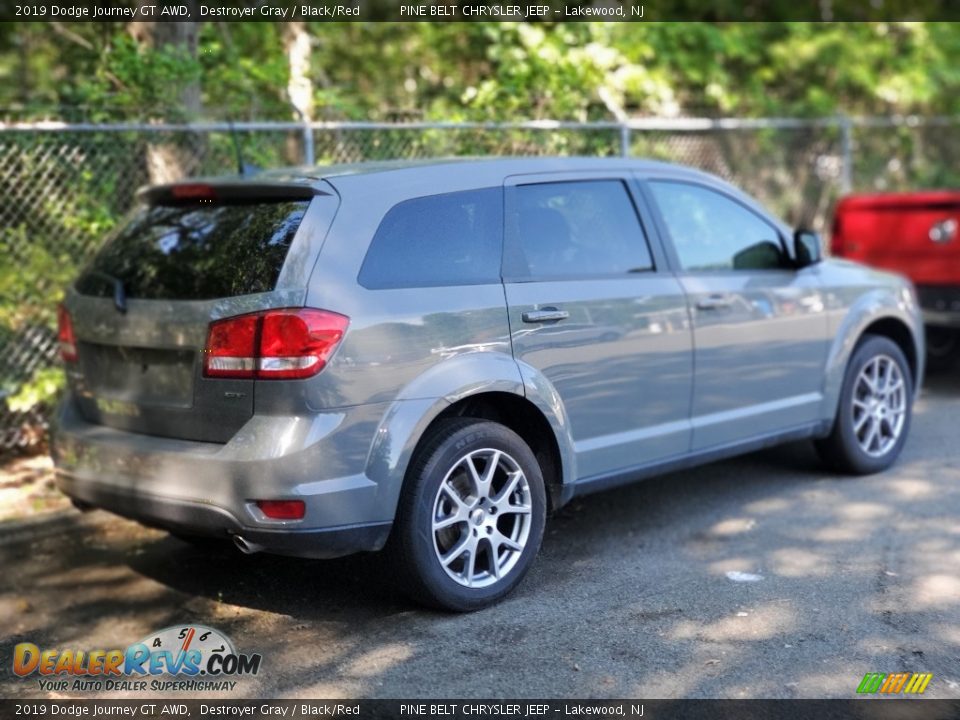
{"x": 499, "y": 390}
{"x": 878, "y": 313}
{"x": 526, "y": 420}
{"x": 897, "y": 331}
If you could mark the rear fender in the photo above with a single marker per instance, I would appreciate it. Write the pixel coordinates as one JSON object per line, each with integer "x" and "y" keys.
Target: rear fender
{"x": 878, "y": 304}
{"x": 426, "y": 397}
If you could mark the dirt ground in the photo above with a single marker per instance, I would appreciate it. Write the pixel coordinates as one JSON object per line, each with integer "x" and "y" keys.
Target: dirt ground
{"x": 27, "y": 489}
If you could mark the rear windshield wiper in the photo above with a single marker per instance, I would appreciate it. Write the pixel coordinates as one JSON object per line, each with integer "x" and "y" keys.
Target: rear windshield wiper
{"x": 119, "y": 293}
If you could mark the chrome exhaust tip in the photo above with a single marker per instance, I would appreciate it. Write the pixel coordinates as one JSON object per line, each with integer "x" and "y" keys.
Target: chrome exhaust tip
{"x": 245, "y": 546}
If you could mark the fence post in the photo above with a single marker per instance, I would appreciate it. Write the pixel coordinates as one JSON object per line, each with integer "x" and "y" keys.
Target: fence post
{"x": 846, "y": 151}
{"x": 624, "y": 140}
{"x": 309, "y": 157}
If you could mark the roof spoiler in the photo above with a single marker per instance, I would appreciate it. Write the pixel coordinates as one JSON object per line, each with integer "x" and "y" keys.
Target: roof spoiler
{"x": 177, "y": 193}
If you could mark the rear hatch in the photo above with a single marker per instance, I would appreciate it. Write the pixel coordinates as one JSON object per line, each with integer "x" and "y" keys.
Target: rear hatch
{"x": 140, "y": 312}
{"x": 917, "y": 234}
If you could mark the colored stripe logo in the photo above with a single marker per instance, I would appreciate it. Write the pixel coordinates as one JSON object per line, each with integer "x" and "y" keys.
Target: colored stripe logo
{"x": 894, "y": 683}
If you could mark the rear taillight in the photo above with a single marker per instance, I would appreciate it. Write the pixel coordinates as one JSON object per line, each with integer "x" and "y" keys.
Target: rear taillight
{"x": 282, "y": 509}
{"x": 68, "y": 341}
{"x": 276, "y": 344}
{"x": 231, "y": 350}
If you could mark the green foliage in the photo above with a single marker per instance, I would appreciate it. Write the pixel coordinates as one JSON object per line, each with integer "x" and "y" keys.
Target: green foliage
{"x": 23, "y": 267}
{"x": 478, "y": 70}
{"x": 450, "y": 72}
{"x": 32, "y": 277}
{"x": 40, "y": 390}
{"x": 144, "y": 79}
{"x": 244, "y": 70}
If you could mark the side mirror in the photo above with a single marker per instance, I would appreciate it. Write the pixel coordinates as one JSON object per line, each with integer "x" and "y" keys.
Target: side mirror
{"x": 806, "y": 248}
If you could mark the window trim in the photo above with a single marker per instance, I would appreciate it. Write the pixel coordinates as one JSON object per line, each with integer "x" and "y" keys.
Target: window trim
{"x": 667, "y": 239}
{"x": 511, "y": 241}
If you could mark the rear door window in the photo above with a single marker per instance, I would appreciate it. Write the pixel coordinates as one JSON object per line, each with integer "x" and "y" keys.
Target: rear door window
{"x": 437, "y": 240}
{"x": 196, "y": 251}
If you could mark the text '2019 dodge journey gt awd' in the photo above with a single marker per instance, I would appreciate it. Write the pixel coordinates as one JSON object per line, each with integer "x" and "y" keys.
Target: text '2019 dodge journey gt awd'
{"x": 430, "y": 356}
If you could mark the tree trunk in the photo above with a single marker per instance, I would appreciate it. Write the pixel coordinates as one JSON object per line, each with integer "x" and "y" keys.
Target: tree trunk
{"x": 179, "y": 157}
{"x": 296, "y": 44}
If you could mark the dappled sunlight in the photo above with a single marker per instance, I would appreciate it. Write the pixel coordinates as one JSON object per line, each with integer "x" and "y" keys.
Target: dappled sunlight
{"x": 909, "y": 489}
{"x": 85, "y": 575}
{"x": 950, "y": 633}
{"x": 734, "y": 564}
{"x": 733, "y": 526}
{"x": 378, "y": 660}
{"x": 767, "y": 506}
{"x": 936, "y": 591}
{"x": 798, "y": 562}
{"x": 942, "y": 548}
{"x": 841, "y": 533}
{"x": 838, "y": 683}
{"x": 923, "y": 468}
{"x": 121, "y": 629}
{"x": 762, "y": 623}
{"x": 683, "y": 681}
{"x": 862, "y": 511}
{"x": 875, "y": 645}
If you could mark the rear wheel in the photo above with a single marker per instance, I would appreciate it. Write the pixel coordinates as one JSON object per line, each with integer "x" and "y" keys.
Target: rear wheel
{"x": 873, "y": 416}
{"x": 471, "y": 519}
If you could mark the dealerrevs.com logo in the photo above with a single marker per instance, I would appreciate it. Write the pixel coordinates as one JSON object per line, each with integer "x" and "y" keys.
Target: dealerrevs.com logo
{"x": 191, "y": 658}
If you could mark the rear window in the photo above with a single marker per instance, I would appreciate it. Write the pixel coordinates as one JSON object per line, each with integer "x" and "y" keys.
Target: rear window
{"x": 196, "y": 251}
{"x": 449, "y": 239}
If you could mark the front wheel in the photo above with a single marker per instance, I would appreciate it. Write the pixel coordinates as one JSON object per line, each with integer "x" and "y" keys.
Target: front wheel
{"x": 471, "y": 518}
{"x": 873, "y": 416}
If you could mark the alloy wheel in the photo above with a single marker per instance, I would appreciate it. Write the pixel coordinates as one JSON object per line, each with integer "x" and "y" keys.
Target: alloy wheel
{"x": 879, "y": 405}
{"x": 481, "y": 518}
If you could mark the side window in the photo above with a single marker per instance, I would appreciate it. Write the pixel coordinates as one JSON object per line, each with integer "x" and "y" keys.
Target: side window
{"x": 713, "y": 232}
{"x": 449, "y": 239}
{"x": 568, "y": 229}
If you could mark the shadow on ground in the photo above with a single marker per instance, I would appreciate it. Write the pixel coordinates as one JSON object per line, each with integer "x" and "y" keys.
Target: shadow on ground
{"x": 632, "y": 595}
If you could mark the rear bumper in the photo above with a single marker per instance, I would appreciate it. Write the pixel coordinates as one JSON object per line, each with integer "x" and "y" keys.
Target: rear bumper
{"x": 940, "y": 304}
{"x": 191, "y": 518}
{"x": 208, "y": 489}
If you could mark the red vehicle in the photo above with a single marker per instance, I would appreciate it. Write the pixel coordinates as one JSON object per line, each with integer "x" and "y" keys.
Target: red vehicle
{"x": 916, "y": 234}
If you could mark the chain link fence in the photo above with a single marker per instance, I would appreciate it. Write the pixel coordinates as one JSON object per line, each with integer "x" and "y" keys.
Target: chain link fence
{"x": 64, "y": 186}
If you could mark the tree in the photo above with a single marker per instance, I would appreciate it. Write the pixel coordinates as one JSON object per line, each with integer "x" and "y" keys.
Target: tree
{"x": 296, "y": 45}
{"x": 170, "y": 161}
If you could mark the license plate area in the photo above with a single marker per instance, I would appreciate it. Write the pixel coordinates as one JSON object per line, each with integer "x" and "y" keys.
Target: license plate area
{"x": 119, "y": 375}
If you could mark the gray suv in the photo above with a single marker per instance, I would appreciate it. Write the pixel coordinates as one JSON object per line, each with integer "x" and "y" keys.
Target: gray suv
{"x": 429, "y": 357}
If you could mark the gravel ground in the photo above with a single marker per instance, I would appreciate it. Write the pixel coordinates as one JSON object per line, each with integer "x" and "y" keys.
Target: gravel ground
{"x": 632, "y": 595}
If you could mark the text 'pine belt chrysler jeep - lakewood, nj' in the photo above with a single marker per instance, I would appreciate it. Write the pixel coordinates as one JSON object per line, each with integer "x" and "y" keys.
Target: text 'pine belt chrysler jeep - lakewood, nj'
{"x": 428, "y": 357}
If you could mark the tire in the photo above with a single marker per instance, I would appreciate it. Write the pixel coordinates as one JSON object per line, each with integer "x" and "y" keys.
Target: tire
{"x": 874, "y": 412}
{"x": 941, "y": 348}
{"x": 497, "y": 543}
